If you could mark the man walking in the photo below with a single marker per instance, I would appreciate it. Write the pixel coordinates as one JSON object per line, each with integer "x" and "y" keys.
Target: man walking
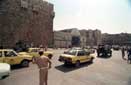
{"x": 129, "y": 55}
{"x": 43, "y": 64}
{"x": 123, "y": 53}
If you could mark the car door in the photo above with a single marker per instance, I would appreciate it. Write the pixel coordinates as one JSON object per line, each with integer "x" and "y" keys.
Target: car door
{"x": 11, "y": 57}
{"x": 82, "y": 56}
{"x": 1, "y": 57}
{"x": 88, "y": 57}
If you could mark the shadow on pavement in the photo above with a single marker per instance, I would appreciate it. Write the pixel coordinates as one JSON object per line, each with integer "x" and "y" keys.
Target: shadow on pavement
{"x": 17, "y": 67}
{"x": 4, "y": 77}
{"x": 68, "y": 68}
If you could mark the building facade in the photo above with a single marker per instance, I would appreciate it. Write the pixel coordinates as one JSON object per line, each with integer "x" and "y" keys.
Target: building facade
{"x": 77, "y": 37}
{"x": 29, "y": 21}
{"x": 62, "y": 39}
{"x": 92, "y": 37}
{"x": 116, "y": 39}
{"x": 67, "y": 38}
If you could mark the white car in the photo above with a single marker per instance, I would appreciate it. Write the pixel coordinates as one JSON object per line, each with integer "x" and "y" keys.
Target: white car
{"x": 4, "y": 70}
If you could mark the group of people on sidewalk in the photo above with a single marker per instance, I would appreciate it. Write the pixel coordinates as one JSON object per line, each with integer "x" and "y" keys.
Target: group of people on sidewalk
{"x": 128, "y": 54}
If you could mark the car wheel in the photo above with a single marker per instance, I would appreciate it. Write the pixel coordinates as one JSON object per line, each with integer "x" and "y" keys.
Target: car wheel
{"x": 65, "y": 64}
{"x": 77, "y": 64}
{"x": 25, "y": 63}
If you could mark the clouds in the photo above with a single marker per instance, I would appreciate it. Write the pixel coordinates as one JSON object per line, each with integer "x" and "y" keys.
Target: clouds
{"x": 107, "y": 15}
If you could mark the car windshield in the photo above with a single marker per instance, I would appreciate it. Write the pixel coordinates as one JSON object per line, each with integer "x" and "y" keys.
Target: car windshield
{"x": 15, "y": 53}
{"x": 10, "y": 53}
{"x": 71, "y": 52}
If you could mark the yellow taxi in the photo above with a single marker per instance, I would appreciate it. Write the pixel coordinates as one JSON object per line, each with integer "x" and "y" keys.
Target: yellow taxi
{"x": 76, "y": 56}
{"x": 11, "y": 57}
{"x": 34, "y": 52}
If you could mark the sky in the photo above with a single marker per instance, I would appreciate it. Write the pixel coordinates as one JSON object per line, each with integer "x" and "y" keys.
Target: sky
{"x": 109, "y": 16}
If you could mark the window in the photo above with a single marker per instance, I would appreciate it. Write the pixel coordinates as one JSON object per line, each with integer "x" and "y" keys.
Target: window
{"x": 81, "y": 53}
{"x": 24, "y": 4}
{"x": 2, "y": 10}
{"x": 9, "y": 54}
{"x": 1, "y": 54}
{"x": 53, "y": 14}
{"x": 35, "y": 9}
{"x": 87, "y": 53}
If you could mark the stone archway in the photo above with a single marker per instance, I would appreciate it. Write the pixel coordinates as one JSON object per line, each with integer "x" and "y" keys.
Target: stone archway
{"x": 75, "y": 37}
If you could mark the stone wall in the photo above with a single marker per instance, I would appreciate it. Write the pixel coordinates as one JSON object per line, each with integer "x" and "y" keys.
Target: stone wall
{"x": 93, "y": 37}
{"x": 87, "y": 37}
{"x": 26, "y": 20}
{"x": 62, "y": 39}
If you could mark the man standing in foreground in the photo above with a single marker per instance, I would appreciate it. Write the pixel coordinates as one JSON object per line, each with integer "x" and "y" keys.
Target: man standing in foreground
{"x": 43, "y": 64}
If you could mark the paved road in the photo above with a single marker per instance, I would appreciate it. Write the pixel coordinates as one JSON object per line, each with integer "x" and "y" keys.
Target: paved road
{"x": 104, "y": 71}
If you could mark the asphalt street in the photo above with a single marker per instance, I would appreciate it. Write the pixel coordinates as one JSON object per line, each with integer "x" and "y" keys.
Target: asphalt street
{"x": 103, "y": 71}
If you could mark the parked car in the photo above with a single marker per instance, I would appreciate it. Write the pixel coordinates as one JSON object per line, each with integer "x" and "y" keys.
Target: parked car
{"x": 76, "y": 56}
{"x": 104, "y": 51}
{"x": 34, "y": 52}
{"x": 11, "y": 57}
{"x": 4, "y": 70}
{"x": 116, "y": 47}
